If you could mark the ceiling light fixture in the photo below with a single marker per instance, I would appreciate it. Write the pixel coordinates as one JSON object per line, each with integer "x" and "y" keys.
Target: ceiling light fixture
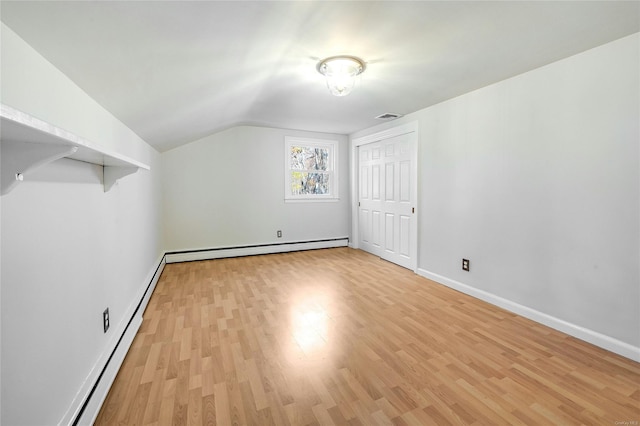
{"x": 341, "y": 73}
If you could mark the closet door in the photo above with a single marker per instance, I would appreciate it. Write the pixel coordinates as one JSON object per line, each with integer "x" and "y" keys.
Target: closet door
{"x": 387, "y": 173}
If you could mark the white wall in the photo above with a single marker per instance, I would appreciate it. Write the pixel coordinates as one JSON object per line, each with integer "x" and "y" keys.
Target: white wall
{"x": 227, "y": 190}
{"x": 536, "y": 180}
{"x": 69, "y": 250}
{"x": 0, "y": 302}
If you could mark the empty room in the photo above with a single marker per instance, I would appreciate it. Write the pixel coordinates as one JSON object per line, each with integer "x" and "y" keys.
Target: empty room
{"x": 320, "y": 213}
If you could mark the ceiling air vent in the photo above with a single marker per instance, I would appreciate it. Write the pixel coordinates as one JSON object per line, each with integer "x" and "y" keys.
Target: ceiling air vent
{"x": 389, "y": 116}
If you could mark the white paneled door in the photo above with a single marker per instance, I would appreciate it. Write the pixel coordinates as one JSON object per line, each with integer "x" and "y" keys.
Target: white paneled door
{"x": 387, "y": 220}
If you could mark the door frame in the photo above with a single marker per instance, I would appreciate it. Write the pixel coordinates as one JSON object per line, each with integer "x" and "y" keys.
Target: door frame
{"x": 403, "y": 129}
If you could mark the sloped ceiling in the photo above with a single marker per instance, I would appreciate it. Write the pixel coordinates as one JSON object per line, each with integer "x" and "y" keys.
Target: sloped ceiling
{"x": 175, "y": 71}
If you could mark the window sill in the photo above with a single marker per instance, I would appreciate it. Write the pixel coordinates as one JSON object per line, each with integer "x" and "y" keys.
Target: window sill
{"x": 311, "y": 200}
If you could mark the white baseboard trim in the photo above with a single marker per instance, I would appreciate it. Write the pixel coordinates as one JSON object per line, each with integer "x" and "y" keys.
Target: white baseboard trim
{"x": 222, "y": 252}
{"x": 86, "y": 405}
{"x": 590, "y": 336}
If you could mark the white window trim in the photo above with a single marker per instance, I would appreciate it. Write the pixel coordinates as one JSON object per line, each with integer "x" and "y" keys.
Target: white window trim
{"x": 332, "y": 145}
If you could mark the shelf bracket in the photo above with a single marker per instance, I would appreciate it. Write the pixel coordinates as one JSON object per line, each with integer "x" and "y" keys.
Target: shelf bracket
{"x": 111, "y": 175}
{"x": 21, "y": 158}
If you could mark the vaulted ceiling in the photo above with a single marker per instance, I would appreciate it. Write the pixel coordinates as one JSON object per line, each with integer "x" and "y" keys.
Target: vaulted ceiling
{"x": 175, "y": 71}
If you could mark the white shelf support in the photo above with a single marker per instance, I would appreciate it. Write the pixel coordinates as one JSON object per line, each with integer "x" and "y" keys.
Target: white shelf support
{"x": 21, "y": 158}
{"x": 112, "y": 174}
{"x": 27, "y": 143}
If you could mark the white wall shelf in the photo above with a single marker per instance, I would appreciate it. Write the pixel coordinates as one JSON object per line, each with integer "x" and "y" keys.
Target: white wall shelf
{"x": 28, "y": 143}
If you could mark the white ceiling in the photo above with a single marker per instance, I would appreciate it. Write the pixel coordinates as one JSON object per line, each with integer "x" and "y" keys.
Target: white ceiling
{"x": 175, "y": 71}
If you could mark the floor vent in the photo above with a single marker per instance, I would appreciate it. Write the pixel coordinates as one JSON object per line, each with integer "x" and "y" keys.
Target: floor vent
{"x": 388, "y": 116}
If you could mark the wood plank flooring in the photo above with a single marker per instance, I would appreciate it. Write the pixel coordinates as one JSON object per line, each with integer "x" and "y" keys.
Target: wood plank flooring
{"x": 341, "y": 337}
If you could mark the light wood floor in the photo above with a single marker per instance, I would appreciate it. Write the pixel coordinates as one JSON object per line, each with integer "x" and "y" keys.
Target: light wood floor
{"x": 339, "y": 336}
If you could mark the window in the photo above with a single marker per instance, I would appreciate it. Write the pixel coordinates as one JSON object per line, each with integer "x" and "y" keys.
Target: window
{"x": 310, "y": 169}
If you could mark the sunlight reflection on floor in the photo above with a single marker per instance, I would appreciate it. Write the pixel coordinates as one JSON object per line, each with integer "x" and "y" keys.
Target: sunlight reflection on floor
{"x": 310, "y": 322}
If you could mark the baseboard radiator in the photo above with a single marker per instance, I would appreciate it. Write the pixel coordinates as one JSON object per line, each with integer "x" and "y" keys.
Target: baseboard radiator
{"x": 250, "y": 250}
{"x": 86, "y": 406}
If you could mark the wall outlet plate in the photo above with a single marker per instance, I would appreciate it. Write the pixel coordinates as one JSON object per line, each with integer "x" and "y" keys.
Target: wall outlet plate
{"x": 279, "y": 233}
{"x": 465, "y": 265}
{"x": 105, "y": 320}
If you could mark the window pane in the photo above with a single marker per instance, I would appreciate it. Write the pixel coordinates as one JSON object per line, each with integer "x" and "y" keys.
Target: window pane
{"x": 309, "y": 158}
{"x": 304, "y": 183}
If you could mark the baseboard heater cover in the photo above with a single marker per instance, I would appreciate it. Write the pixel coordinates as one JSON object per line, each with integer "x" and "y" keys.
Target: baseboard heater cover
{"x": 222, "y": 252}
{"x": 88, "y": 411}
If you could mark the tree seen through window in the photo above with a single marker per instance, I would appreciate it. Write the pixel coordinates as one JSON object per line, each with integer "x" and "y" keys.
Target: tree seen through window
{"x": 310, "y": 169}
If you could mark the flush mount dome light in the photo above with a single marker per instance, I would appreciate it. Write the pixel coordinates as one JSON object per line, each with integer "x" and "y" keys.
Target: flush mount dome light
{"x": 341, "y": 73}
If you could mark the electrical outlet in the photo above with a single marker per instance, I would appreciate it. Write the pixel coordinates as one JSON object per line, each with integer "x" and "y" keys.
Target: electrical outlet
{"x": 279, "y": 234}
{"x": 105, "y": 319}
{"x": 465, "y": 265}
